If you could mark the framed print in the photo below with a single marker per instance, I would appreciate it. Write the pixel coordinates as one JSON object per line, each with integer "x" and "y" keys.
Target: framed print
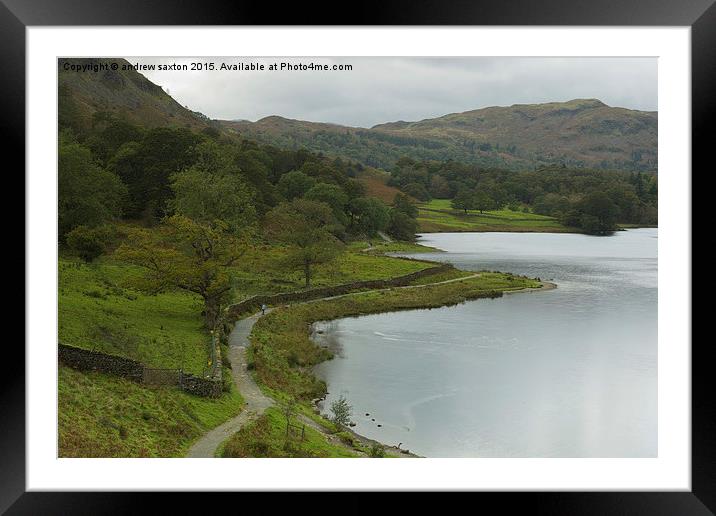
{"x": 264, "y": 249}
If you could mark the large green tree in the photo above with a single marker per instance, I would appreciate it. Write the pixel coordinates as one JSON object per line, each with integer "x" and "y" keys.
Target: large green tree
{"x": 368, "y": 215}
{"x": 333, "y": 196}
{"x": 88, "y": 195}
{"x": 146, "y": 168}
{"x": 295, "y": 184}
{"x": 188, "y": 255}
{"x": 402, "y": 203}
{"x": 598, "y": 213}
{"x": 307, "y": 228}
{"x": 464, "y": 200}
{"x": 482, "y": 201}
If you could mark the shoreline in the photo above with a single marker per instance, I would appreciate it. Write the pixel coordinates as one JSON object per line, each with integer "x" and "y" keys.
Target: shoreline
{"x": 312, "y": 334}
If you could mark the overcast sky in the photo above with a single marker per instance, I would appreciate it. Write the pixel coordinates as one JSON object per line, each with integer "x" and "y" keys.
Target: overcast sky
{"x": 387, "y": 89}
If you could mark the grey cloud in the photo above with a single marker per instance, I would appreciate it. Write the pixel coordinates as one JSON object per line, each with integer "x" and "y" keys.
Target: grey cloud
{"x": 384, "y": 89}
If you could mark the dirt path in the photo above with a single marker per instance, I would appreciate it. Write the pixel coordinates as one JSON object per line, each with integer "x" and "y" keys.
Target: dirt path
{"x": 255, "y": 401}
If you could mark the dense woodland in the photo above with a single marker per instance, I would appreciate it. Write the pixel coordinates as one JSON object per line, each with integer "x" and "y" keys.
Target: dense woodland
{"x": 195, "y": 198}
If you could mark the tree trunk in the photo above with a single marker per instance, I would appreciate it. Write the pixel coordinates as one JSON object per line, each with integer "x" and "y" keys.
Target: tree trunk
{"x": 307, "y": 272}
{"x": 211, "y": 313}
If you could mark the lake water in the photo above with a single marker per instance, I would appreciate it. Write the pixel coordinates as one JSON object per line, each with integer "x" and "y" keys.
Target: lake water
{"x": 570, "y": 372}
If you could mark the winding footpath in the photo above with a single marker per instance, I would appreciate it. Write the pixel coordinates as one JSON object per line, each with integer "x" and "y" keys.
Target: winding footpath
{"x": 257, "y": 402}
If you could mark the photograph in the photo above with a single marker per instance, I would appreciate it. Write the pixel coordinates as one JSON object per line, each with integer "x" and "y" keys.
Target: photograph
{"x": 358, "y": 257}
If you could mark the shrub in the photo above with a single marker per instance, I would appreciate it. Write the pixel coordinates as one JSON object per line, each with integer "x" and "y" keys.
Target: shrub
{"x": 89, "y": 243}
{"x": 377, "y": 451}
{"x": 341, "y": 411}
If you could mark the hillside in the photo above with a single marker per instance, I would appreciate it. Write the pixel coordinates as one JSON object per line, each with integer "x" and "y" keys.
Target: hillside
{"x": 578, "y": 133}
{"x": 123, "y": 92}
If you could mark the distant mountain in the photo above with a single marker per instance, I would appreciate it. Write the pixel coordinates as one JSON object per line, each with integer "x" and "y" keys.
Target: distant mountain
{"x": 578, "y": 133}
{"x": 123, "y": 91}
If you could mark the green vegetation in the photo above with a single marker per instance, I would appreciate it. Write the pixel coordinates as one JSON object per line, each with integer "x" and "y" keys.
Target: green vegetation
{"x": 183, "y": 254}
{"x": 263, "y": 269}
{"x": 97, "y": 310}
{"x": 449, "y": 275}
{"x": 106, "y": 416}
{"x": 266, "y": 437}
{"x": 341, "y": 412}
{"x": 382, "y": 247}
{"x": 592, "y": 201}
{"x": 438, "y": 215}
{"x": 308, "y": 228}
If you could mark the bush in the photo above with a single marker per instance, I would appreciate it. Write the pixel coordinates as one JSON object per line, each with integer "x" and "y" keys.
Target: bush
{"x": 341, "y": 411}
{"x": 377, "y": 451}
{"x": 89, "y": 243}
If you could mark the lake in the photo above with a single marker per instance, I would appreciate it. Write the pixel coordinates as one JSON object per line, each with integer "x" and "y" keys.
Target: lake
{"x": 570, "y": 372}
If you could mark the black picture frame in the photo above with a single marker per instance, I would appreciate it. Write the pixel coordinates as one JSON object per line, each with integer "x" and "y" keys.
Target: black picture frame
{"x": 700, "y": 15}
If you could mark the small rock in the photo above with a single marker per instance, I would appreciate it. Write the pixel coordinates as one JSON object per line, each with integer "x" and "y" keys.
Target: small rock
{"x": 351, "y": 424}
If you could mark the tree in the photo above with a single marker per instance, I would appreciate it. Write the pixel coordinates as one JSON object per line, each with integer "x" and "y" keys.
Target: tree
{"x": 88, "y": 195}
{"x": 402, "y": 203}
{"x": 439, "y": 187}
{"x": 402, "y": 227}
{"x": 206, "y": 197}
{"x": 368, "y": 215}
{"x": 417, "y": 190}
{"x": 464, "y": 200}
{"x": 341, "y": 411}
{"x": 333, "y": 196}
{"x": 109, "y": 133}
{"x": 307, "y": 228}
{"x": 295, "y": 184}
{"x": 599, "y": 213}
{"x": 188, "y": 255}
{"x": 483, "y": 202}
{"x": 146, "y": 168}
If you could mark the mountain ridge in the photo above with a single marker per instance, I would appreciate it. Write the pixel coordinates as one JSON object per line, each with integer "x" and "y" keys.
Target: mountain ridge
{"x": 578, "y": 132}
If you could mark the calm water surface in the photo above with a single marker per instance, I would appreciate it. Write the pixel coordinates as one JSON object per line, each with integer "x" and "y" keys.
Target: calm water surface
{"x": 564, "y": 373}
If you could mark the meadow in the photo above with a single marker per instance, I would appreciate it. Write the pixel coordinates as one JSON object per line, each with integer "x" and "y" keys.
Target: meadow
{"x": 438, "y": 215}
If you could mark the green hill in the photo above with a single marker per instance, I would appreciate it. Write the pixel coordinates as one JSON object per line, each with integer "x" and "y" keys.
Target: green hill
{"x": 578, "y": 133}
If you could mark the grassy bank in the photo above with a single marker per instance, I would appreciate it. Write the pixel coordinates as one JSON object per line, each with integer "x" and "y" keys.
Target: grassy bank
{"x": 266, "y": 437}
{"x": 106, "y": 416}
{"x": 437, "y": 215}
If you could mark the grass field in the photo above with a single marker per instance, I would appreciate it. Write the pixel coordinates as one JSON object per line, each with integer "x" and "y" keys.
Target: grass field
{"x": 97, "y": 310}
{"x": 437, "y": 215}
{"x": 264, "y": 271}
{"x": 106, "y": 416}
